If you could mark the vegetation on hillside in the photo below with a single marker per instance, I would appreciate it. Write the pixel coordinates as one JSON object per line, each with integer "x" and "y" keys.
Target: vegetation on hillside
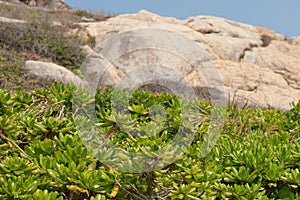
{"x": 30, "y": 14}
{"x": 43, "y": 157}
{"x": 39, "y": 39}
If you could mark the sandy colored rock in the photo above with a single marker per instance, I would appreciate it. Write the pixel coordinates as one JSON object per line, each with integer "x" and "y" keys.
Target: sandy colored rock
{"x": 51, "y": 71}
{"x": 14, "y": 21}
{"x": 295, "y": 41}
{"x": 254, "y": 63}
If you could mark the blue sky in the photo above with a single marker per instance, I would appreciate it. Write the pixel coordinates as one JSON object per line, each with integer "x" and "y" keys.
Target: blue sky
{"x": 281, "y": 16}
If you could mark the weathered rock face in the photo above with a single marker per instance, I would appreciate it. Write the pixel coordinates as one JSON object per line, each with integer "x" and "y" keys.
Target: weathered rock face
{"x": 254, "y": 63}
{"x": 50, "y": 4}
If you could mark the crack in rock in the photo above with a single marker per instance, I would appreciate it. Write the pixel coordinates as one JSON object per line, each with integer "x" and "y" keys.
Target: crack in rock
{"x": 249, "y": 48}
{"x": 266, "y": 40}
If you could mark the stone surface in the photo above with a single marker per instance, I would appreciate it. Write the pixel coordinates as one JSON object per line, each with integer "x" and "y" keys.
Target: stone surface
{"x": 295, "y": 40}
{"x": 51, "y": 71}
{"x": 86, "y": 19}
{"x": 56, "y": 23}
{"x": 15, "y": 21}
{"x": 254, "y": 63}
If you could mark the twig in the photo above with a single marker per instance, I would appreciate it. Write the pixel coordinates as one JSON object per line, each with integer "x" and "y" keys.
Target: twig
{"x": 108, "y": 136}
{"x": 138, "y": 191}
{"x": 61, "y": 113}
{"x": 122, "y": 188}
{"x": 110, "y": 132}
{"x": 165, "y": 193}
{"x": 12, "y": 142}
{"x": 149, "y": 180}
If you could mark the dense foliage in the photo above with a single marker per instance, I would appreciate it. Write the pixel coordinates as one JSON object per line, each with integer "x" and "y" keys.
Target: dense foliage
{"x": 43, "y": 157}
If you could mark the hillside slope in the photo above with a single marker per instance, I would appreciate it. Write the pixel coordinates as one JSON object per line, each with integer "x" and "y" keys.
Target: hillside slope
{"x": 256, "y": 64}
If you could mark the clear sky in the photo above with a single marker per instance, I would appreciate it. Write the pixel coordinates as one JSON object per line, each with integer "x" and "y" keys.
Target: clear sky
{"x": 281, "y": 16}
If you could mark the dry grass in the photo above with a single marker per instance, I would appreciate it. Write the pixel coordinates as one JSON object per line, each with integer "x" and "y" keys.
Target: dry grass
{"x": 43, "y": 41}
{"x": 33, "y": 14}
{"x": 12, "y": 74}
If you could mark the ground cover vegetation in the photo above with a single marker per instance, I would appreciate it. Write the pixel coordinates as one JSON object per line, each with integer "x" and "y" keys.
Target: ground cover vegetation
{"x": 43, "y": 157}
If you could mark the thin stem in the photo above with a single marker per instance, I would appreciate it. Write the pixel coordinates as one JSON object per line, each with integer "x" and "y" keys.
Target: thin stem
{"x": 12, "y": 142}
{"x": 122, "y": 188}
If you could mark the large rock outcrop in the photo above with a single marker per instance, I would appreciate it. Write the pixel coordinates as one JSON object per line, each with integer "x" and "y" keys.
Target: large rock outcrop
{"x": 254, "y": 63}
